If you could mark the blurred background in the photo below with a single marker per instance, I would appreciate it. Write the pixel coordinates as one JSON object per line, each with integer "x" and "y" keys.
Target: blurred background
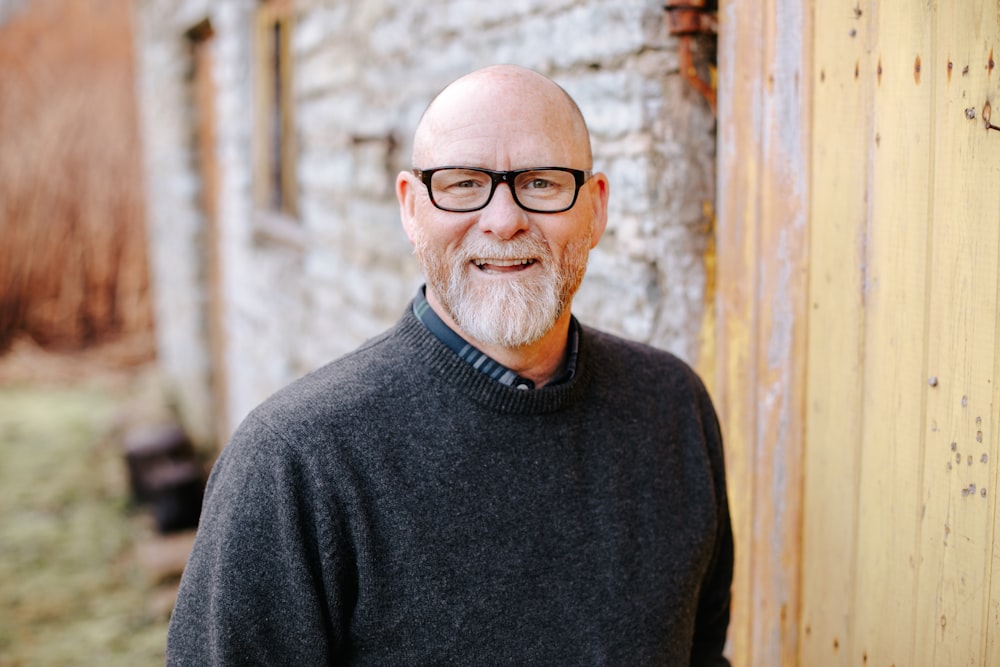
{"x": 76, "y": 344}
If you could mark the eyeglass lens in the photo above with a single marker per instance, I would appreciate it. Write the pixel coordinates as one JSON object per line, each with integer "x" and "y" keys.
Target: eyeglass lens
{"x": 468, "y": 189}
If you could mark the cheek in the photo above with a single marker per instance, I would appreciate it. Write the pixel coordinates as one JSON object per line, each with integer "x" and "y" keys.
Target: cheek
{"x": 437, "y": 230}
{"x": 435, "y": 247}
{"x": 570, "y": 243}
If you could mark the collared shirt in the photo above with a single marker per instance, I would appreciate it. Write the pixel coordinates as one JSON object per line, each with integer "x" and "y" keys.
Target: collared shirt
{"x": 483, "y": 362}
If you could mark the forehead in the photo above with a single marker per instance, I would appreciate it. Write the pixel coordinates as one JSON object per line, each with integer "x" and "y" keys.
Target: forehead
{"x": 502, "y": 123}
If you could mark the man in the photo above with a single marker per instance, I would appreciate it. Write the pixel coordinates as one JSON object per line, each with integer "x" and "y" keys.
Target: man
{"x": 488, "y": 482}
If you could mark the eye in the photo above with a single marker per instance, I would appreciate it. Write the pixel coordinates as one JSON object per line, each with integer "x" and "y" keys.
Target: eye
{"x": 538, "y": 183}
{"x": 546, "y": 184}
{"x": 460, "y": 179}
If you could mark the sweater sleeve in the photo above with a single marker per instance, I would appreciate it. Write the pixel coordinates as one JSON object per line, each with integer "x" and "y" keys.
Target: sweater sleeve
{"x": 264, "y": 583}
{"x": 712, "y": 620}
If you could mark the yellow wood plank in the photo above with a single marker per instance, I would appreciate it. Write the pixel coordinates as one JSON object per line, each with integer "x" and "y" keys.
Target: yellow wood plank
{"x": 842, "y": 134}
{"x": 895, "y": 334}
{"x": 780, "y": 374}
{"x": 740, "y": 69}
{"x": 761, "y": 252}
{"x": 958, "y": 533}
{"x": 781, "y": 337}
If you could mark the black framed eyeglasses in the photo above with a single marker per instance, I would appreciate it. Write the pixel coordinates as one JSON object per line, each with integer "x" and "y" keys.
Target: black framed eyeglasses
{"x": 538, "y": 190}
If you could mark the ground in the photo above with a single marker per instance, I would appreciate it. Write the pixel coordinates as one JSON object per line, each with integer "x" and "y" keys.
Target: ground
{"x": 84, "y": 577}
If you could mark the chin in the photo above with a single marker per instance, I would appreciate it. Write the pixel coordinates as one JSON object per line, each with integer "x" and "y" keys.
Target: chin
{"x": 506, "y": 313}
{"x": 510, "y": 311}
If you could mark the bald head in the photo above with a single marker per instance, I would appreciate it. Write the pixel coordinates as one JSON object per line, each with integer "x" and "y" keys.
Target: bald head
{"x": 502, "y": 114}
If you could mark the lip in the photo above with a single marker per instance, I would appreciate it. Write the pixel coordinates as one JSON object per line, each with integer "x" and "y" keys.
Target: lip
{"x": 498, "y": 265}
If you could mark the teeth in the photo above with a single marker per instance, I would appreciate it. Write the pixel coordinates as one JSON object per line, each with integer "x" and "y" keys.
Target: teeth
{"x": 502, "y": 262}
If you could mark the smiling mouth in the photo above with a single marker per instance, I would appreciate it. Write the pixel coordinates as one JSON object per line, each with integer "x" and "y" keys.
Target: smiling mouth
{"x": 503, "y": 265}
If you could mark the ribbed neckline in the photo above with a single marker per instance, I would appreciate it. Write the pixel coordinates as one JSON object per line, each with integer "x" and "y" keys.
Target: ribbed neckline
{"x": 447, "y": 367}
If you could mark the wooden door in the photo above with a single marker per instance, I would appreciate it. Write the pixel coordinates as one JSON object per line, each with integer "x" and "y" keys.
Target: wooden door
{"x": 892, "y": 437}
{"x": 901, "y": 445}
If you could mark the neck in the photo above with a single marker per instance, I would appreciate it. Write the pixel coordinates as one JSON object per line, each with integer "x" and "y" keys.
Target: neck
{"x": 540, "y": 362}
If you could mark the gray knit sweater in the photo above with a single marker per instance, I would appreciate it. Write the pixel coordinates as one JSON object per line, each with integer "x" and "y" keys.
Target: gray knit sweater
{"x": 397, "y": 507}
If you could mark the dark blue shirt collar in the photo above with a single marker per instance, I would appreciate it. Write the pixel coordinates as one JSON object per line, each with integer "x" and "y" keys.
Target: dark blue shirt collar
{"x": 483, "y": 362}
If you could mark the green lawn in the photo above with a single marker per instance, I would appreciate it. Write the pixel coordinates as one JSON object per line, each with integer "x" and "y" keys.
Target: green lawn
{"x": 71, "y": 592}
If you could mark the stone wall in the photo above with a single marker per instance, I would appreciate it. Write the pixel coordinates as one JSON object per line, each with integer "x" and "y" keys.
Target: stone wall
{"x": 8, "y": 8}
{"x": 363, "y": 72}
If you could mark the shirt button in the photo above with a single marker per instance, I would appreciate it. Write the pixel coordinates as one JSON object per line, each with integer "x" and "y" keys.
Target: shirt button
{"x": 522, "y": 386}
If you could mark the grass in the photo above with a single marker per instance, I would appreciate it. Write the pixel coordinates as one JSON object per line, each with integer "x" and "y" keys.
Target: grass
{"x": 71, "y": 590}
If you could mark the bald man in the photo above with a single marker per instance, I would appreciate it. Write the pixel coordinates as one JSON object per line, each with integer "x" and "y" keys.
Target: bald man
{"x": 489, "y": 481}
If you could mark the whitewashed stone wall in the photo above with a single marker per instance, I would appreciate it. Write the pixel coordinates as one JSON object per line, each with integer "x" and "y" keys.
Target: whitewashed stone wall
{"x": 8, "y": 8}
{"x": 364, "y": 71}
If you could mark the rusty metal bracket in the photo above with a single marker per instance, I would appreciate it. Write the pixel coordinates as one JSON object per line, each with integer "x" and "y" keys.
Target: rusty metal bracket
{"x": 687, "y": 19}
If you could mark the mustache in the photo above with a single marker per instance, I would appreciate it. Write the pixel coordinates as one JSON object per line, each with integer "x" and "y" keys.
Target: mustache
{"x": 527, "y": 247}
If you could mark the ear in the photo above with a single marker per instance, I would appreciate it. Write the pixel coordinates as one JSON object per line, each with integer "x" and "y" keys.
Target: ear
{"x": 599, "y": 189}
{"x": 406, "y": 190}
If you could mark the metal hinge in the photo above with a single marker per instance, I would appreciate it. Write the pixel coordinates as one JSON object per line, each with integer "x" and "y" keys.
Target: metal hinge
{"x": 687, "y": 19}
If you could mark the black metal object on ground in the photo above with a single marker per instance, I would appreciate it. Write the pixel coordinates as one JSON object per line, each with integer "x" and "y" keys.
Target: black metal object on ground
{"x": 165, "y": 474}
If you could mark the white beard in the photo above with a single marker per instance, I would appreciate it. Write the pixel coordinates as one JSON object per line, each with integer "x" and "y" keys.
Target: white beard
{"x": 510, "y": 313}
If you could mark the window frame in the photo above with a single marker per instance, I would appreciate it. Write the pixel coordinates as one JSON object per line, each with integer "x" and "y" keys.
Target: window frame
{"x": 275, "y": 177}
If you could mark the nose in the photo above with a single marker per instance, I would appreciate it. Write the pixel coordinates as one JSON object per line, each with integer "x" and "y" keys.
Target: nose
{"x": 502, "y": 216}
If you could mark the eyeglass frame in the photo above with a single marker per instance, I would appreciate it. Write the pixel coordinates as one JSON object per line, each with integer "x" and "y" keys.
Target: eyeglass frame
{"x": 580, "y": 177}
